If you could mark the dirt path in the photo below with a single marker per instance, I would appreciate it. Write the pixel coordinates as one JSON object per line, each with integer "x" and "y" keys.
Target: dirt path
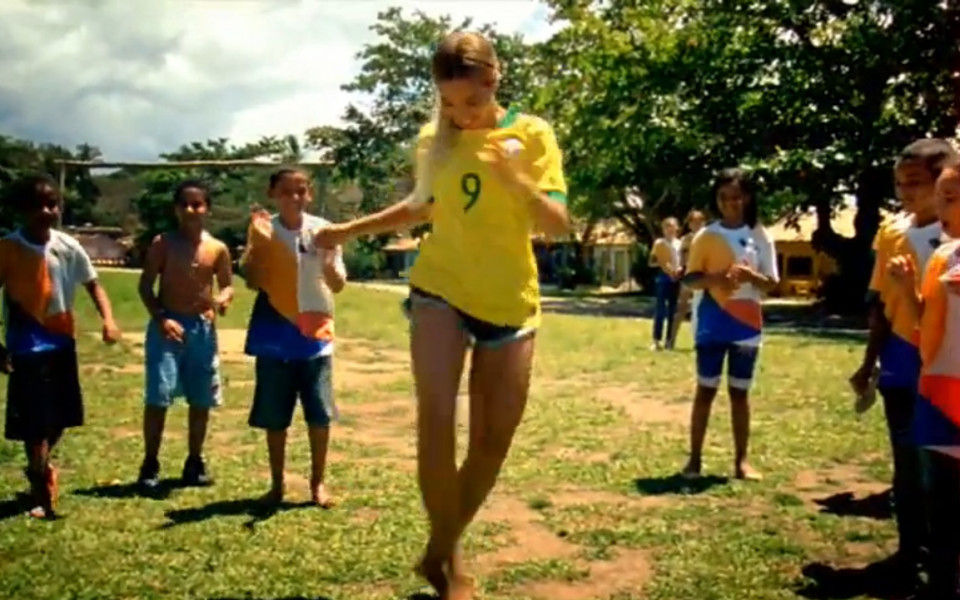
{"x": 384, "y": 420}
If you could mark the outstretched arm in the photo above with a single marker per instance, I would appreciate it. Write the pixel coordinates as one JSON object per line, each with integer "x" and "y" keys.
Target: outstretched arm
{"x": 403, "y": 215}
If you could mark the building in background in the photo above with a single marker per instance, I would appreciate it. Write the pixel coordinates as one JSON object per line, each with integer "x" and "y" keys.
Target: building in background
{"x": 803, "y": 270}
{"x": 107, "y": 246}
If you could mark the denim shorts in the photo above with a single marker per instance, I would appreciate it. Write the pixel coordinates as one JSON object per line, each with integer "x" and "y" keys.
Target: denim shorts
{"x": 741, "y": 361}
{"x": 189, "y": 369}
{"x": 280, "y": 382}
{"x": 480, "y": 333}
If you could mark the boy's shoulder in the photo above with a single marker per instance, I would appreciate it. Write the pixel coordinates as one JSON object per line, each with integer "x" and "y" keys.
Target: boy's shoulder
{"x": 213, "y": 241}
{"x": 62, "y": 240}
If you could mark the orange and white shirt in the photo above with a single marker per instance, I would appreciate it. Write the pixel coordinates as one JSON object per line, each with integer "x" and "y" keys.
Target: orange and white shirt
{"x": 724, "y": 317}
{"x": 937, "y": 416}
{"x": 899, "y": 356}
{"x": 292, "y": 316}
{"x": 39, "y": 285}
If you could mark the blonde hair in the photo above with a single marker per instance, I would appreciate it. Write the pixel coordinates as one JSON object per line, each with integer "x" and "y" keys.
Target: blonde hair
{"x": 460, "y": 55}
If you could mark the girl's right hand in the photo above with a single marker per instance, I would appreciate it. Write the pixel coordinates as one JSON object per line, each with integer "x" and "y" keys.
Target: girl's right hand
{"x": 331, "y": 236}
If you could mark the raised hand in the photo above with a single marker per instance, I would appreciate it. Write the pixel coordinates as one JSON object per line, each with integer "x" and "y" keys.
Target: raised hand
{"x": 504, "y": 157}
{"x": 902, "y": 270}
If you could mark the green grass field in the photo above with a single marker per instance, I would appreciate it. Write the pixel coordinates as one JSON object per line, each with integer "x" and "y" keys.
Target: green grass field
{"x": 587, "y": 507}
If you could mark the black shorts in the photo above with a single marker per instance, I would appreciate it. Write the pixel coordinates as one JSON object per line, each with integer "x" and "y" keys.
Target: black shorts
{"x": 43, "y": 395}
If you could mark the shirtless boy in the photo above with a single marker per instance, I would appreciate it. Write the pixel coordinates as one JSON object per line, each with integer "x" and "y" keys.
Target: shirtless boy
{"x": 181, "y": 340}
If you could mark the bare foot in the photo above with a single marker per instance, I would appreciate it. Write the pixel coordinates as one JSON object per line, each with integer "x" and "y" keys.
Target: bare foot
{"x": 461, "y": 588}
{"x": 273, "y": 497}
{"x": 747, "y": 473}
{"x": 692, "y": 469}
{"x": 320, "y": 497}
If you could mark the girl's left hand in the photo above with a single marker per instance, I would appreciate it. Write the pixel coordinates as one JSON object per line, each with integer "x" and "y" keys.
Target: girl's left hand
{"x": 504, "y": 158}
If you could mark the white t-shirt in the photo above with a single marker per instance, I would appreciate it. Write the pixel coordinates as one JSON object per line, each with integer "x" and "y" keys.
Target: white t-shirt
{"x": 64, "y": 264}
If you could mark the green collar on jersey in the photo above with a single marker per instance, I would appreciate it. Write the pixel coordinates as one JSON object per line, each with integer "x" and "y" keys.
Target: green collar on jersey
{"x": 509, "y": 118}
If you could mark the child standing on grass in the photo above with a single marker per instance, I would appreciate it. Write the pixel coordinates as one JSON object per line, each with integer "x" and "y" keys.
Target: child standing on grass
{"x": 40, "y": 268}
{"x": 733, "y": 261}
{"x": 181, "y": 341}
{"x": 291, "y": 327}
{"x": 893, "y": 342}
{"x": 934, "y": 302}
{"x": 666, "y": 254}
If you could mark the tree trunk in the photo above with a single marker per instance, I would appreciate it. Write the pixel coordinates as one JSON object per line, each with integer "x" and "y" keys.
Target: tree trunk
{"x": 844, "y": 293}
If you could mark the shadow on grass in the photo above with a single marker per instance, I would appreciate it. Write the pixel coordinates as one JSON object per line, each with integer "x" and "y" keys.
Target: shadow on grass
{"x": 874, "y": 506}
{"x": 15, "y": 507}
{"x": 132, "y": 490}
{"x": 254, "y": 508}
{"x": 831, "y": 583}
{"x": 19, "y": 506}
{"x": 677, "y": 484}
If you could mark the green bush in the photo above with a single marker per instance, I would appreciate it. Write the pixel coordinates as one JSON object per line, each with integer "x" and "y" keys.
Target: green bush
{"x": 363, "y": 261}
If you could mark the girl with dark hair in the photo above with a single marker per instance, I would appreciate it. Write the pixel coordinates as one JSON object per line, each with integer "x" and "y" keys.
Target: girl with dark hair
{"x": 733, "y": 262}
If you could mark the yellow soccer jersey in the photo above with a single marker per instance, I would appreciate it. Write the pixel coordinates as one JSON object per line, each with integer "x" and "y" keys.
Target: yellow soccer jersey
{"x": 478, "y": 256}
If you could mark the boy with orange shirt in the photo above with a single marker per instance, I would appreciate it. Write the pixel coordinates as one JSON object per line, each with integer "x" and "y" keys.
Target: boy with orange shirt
{"x": 934, "y": 301}
{"x": 40, "y": 268}
{"x": 893, "y": 335}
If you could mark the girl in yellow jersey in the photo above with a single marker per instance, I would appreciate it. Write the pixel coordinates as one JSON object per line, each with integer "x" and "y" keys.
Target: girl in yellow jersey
{"x": 934, "y": 302}
{"x": 487, "y": 177}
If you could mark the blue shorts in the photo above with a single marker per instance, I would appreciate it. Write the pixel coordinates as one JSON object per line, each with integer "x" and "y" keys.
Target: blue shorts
{"x": 190, "y": 368}
{"x": 480, "y": 333}
{"x": 741, "y": 362}
{"x": 280, "y": 382}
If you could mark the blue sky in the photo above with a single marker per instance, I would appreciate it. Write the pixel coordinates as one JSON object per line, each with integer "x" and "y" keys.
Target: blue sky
{"x": 139, "y": 78}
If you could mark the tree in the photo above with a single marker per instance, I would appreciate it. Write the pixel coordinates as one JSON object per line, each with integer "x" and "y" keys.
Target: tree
{"x": 815, "y": 96}
{"x": 19, "y": 157}
{"x": 234, "y": 190}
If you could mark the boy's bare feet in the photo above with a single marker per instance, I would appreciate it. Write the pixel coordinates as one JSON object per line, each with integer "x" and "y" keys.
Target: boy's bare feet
{"x": 273, "y": 497}
{"x": 747, "y": 473}
{"x": 321, "y": 497}
{"x": 692, "y": 469}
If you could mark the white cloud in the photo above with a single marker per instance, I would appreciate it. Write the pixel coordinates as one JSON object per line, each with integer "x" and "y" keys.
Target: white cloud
{"x": 140, "y": 78}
